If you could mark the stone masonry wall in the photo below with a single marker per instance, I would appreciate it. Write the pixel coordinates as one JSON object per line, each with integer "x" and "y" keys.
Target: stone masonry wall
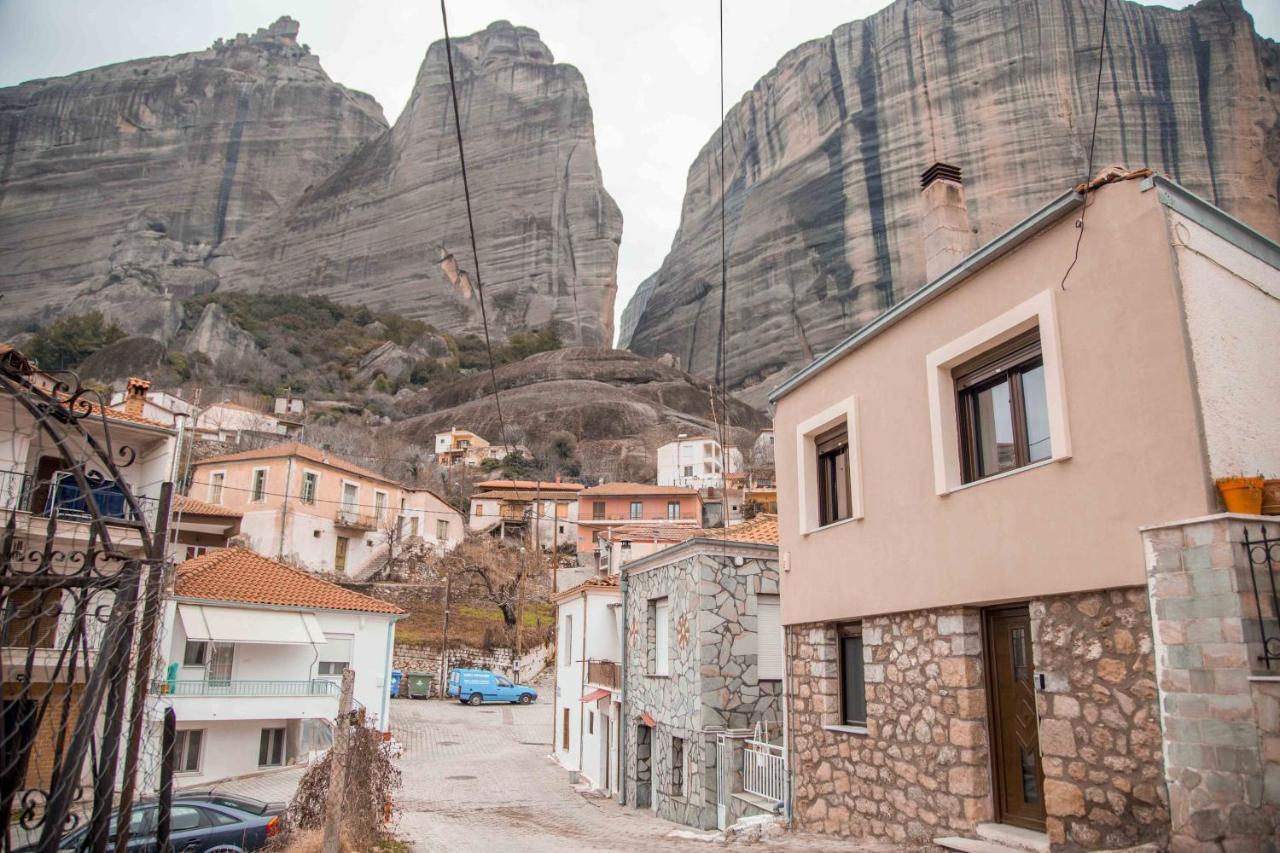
{"x": 921, "y": 768}
{"x": 1100, "y": 736}
{"x": 413, "y": 658}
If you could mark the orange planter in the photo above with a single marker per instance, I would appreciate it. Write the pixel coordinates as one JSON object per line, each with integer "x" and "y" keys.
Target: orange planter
{"x": 1242, "y": 494}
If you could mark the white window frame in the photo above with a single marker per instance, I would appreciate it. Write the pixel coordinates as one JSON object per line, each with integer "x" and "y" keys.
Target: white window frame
{"x": 274, "y": 735}
{"x": 348, "y": 641}
{"x": 222, "y": 485}
{"x": 442, "y": 524}
{"x": 1038, "y": 311}
{"x": 566, "y": 636}
{"x": 302, "y": 489}
{"x": 662, "y": 636}
{"x": 846, "y": 412}
{"x": 354, "y": 509}
{"x": 182, "y": 746}
{"x": 380, "y": 509}
{"x": 253, "y": 477}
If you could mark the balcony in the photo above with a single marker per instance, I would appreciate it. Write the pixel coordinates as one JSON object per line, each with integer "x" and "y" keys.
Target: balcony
{"x": 355, "y": 520}
{"x": 514, "y": 513}
{"x": 62, "y": 498}
{"x": 310, "y": 687}
{"x": 604, "y": 673}
{"x": 315, "y": 698}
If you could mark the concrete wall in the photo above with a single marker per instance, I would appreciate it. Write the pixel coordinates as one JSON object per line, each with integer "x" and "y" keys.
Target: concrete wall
{"x": 570, "y": 676}
{"x": 228, "y": 749}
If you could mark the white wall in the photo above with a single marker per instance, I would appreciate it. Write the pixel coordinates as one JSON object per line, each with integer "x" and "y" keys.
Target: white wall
{"x": 1232, "y": 305}
{"x": 569, "y": 679}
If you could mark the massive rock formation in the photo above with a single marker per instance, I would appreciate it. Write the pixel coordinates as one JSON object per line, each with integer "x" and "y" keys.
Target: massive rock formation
{"x": 117, "y": 183}
{"x": 390, "y": 227}
{"x": 825, "y": 152}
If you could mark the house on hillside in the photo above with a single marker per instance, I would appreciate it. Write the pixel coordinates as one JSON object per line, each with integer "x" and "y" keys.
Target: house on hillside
{"x": 226, "y": 422}
{"x": 703, "y": 677}
{"x": 464, "y": 447}
{"x": 1010, "y": 587}
{"x": 696, "y": 462}
{"x": 253, "y": 660}
{"x": 527, "y": 511}
{"x": 311, "y": 508}
{"x": 603, "y": 507}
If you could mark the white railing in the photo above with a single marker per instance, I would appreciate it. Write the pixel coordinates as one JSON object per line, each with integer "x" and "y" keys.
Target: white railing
{"x": 764, "y": 770}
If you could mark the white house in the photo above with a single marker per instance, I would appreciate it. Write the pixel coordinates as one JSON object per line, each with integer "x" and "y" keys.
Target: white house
{"x": 255, "y": 654}
{"x": 588, "y": 683}
{"x": 527, "y": 510}
{"x": 695, "y": 462}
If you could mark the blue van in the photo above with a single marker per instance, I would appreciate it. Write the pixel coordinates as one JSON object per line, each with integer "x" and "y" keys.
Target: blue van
{"x": 476, "y": 686}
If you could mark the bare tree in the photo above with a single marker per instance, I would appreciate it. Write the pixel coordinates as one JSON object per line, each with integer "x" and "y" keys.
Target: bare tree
{"x": 495, "y": 572}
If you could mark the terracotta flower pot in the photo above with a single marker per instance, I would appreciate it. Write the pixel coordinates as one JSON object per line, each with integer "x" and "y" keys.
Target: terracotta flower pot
{"x": 1271, "y": 497}
{"x": 1242, "y": 494}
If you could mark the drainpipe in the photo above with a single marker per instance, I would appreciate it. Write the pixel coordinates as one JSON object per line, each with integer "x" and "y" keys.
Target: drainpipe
{"x": 582, "y": 711}
{"x": 786, "y": 719}
{"x": 284, "y": 507}
{"x": 622, "y": 716}
{"x": 386, "y": 675}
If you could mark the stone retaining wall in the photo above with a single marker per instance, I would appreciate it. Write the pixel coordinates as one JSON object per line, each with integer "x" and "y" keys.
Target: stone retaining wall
{"x": 413, "y": 658}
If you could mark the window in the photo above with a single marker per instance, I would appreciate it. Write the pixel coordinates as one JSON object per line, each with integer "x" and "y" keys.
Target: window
{"x": 1003, "y": 409}
{"x": 271, "y": 748}
{"x": 340, "y": 554}
{"x": 688, "y": 470}
{"x": 853, "y": 689}
{"x": 659, "y": 624}
{"x": 566, "y": 636}
{"x": 350, "y": 499}
{"x": 194, "y": 551}
{"x": 216, "y": 479}
{"x": 187, "y": 748}
{"x": 442, "y": 529}
{"x": 336, "y": 654}
{"x": 833, "y": 475}
{"x": 673, "y": 510}
{"x": 768, "y": 638}
{"x": 591, "y": 722}
{"x": 597, "y": 509}
{"x": 677, "y": 766}
{"x": 380, "y": 506}
{"x": 222, "y": 660}
{"x": 413, "y": 526}
{"x": 479, "y": 510}
{"x": 504, "y": 682}
{"x": 562, "y": 509}
{"x": 310, "y": 480}
{"x": 195, "y": 653}
{"x": 184, "y": 819}
{"x": 564, "y": 731}
{"x": 625, "y": 552}
{"x": 708, "y": 448}
{"x": 637, "y": 509}
{"x": 259, "y": 490}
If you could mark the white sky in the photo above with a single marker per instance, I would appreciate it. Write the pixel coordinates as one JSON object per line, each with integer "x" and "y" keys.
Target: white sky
{"x": 650, "y": 65}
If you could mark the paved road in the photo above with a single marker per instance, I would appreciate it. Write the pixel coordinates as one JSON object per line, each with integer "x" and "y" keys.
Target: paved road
{"x": 480, "y": 780}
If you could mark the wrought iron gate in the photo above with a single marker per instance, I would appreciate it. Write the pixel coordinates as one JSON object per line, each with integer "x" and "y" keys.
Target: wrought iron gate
{"x": 81, "y": 569}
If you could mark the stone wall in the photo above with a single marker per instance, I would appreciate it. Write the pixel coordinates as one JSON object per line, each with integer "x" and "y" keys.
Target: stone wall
{"x": 415, "y": 658}
{"x": 1100, "y": 736}
{"x": 1220, "y": 706}
{"x": 920, "y": 770}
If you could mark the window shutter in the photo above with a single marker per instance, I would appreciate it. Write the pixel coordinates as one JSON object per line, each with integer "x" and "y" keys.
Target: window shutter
{"x": 768, "y": 638}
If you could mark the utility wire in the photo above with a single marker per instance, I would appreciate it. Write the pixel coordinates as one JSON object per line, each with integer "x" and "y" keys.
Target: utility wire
{"x": 1093, "y": 138}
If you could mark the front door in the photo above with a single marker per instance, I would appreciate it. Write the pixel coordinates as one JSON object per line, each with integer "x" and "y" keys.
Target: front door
{"x": 1019, "y": 777}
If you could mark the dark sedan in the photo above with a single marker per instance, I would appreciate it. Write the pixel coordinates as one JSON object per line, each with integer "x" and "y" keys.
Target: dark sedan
{"x": 199, "y": 822}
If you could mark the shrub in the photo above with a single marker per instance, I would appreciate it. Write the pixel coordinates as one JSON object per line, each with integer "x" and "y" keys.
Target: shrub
{"x": 66, "y": 342}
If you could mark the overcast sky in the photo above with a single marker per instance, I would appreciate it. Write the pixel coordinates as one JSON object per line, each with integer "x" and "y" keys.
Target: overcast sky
{"x": 650, "y": 65}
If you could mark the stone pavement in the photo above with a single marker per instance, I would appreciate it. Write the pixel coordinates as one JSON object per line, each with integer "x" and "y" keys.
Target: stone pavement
{"x": 478, "y": 780}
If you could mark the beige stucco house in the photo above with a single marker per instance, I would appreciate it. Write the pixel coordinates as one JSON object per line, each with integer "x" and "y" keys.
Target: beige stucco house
{"x": 981, "y": 500}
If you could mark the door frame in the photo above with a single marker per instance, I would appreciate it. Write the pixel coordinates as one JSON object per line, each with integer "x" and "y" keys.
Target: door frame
{"x": 989, "y": 683}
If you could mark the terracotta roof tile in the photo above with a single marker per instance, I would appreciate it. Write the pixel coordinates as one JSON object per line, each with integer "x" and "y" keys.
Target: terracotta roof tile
{"x": 636, "y": 489}
{"x": 191, "y": 506}
{"x": 529, "y": 484}
{"x": 597, "y": 582}
{"x": 240, "y": 575}
{"x": 522, "y": 496}
{"x": 762, "y": 529}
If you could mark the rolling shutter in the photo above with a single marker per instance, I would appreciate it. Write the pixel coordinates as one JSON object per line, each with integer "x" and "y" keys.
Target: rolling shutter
{"x": 768, "y": 638}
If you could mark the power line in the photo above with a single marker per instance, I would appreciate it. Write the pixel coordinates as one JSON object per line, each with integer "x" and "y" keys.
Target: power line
{"x": 1093, "y": 138}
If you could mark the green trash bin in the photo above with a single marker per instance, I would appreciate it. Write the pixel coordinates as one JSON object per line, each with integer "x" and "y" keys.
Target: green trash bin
{"x": 420, "y": 684}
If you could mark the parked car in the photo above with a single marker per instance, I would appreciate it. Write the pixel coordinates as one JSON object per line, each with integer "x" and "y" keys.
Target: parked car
{"x": 476, "y": 686}
{"x": 199, "y": 822}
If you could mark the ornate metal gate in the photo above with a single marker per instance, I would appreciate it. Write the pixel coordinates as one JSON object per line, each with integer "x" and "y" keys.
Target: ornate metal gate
{"x": 81, "y": 569}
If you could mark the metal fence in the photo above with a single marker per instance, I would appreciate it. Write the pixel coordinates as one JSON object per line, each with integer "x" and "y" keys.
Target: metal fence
{"x": 1264, "y": 562}
{"x": 238, "y": 687}
{"x": 764, "y": 770}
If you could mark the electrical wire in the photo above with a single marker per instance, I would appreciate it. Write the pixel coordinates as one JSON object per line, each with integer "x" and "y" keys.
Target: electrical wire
{"x": 1093, "y": 138}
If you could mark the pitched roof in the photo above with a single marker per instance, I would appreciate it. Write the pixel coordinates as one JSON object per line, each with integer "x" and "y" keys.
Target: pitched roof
{"x": 762, "y": 529}
{"x": 655, "y": 532}
{"x": 521, "y": 496}
{"x": 603, "y": 582}
{"x": 240, "y": 575}
{"x": 636, "y": 489}
{"x": 191, "y": 506}
{"x": 303, "y": 451}
{"x": 529, "y": 484}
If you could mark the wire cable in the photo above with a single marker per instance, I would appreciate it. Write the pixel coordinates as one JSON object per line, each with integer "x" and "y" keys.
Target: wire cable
{"x": 1093, "y": 138}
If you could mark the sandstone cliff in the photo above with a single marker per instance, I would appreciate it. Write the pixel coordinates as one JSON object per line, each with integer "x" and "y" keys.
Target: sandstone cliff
{"x": 389, "y": 228}
{"x": 117, "y": 183}
{"x": 825, "y": 152}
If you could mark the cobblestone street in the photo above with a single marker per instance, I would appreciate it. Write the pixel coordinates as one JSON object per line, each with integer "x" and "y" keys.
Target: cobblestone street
{"x": 479, "y": 779}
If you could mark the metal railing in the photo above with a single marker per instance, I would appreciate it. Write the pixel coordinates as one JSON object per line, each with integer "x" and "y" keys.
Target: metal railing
{"x": 238, "y": 687}
{"x": 764, "y": 770}
{"x": 351, "y": 518}
{"x": 1264, "y": 559}
{"x": 603, "y": 673}
{"x": 61, "y": 497}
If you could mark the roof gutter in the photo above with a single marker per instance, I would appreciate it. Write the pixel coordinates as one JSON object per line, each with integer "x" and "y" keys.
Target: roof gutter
{"x": 988, "y": 254}
{"x": 286, "y": 608}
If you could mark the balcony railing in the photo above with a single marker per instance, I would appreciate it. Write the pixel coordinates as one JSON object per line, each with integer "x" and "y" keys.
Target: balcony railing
{"x": 215, "y": 687}
{"x": 352, "y": 518}
{"x": 514, "y": 513}
{"x": 603, "y": 673}
{"x": 62, "y": 497}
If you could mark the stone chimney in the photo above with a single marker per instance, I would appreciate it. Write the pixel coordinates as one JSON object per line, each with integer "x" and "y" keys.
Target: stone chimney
{"x": 135, "y": 394}
{"x": 947, "y": 237}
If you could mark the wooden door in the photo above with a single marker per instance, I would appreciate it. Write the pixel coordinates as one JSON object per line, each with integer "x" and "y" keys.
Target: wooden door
{"x": 1019, "y": 777}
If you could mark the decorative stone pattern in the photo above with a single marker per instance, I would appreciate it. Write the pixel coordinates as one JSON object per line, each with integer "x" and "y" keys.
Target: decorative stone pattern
{"x": 921, "y": 768}
{"x": 1220, "y": 708}
{"x": 713, "y": 682}
{"x": 1099, "y": 722}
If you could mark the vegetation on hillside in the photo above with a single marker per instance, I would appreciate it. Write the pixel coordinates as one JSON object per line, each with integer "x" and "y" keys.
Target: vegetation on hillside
{"x": 66, "y": 342}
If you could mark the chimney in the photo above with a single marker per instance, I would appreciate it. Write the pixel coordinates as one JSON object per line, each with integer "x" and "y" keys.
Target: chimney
{"x": 135, "y": 394}
{"x": 948, "y": 239}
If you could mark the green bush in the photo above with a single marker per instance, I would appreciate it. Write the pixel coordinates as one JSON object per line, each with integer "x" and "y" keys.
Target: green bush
{"x": 66, "y": 342}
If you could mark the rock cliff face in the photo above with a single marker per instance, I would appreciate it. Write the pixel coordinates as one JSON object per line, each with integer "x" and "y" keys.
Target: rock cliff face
{"x": 389, "y": 228}
{"x": 117, "y": 183}
{"x": 825, "y": 152}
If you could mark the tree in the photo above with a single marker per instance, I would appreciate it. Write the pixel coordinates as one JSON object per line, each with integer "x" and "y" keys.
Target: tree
{"x": 494, "y": 571}
{"x": 67, "y": 342}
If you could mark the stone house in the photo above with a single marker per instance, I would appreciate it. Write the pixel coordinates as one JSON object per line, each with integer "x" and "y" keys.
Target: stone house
{"x": 980, "y": 497}
{"x": 702, "y": 662}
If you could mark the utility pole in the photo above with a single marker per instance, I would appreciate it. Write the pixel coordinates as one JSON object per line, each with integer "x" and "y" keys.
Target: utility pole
{"x": 338, "y": 764}
{"x": 444, "y": 640}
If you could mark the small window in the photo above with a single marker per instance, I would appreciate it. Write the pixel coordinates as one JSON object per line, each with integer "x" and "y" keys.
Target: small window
{"x": 195, "y": 653}
{"x": 688, "y": 470}
{"x": 187, "y": 749}
{"x": 625, "y": 552}
{"x": 673, "y": 510}
{"x": 637, "y": 509}
{"x": 566, "y": 653}
{"x": 833, "y": 475}
{"x": 194, "y": 551}
{"x": 340, "y": 553}
{"x": 853, "y": 688}
{"x": 677, "y": 766}
{"x": 413, "y": 525}
{"x": 1003, "y": 409}
{"x": 259, "y": 490}
{"x": 215, "y": 487}
{"x": 597, "y": 509}
{"x": 660, "y": 618}
{"x": 564, "y": 731}
{"x": 442, "y": 529}
{"x": 336, "y": 654}
{"x": 310, "y": 480}
{"x": 380, "y": 506}
{"x": 271, "y": 748}
{"x": 479, "y": 510}
{"x": 591, "y": 722}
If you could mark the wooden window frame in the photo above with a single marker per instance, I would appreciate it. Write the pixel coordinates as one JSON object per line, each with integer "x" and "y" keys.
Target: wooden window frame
{"x": 315, "y": 487}
{"x": 216, "y": 490}
{"x": 1005, "y": 363}
{"x": 673, "y": 510}
{"x": 636, "y": 511}
{"x": 255, "y": 496}
{"x": 598, "y": 510}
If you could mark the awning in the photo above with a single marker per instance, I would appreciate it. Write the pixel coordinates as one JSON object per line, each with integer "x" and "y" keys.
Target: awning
{"x": 203, "y": 527}
{"x": 237, "y": 625}
{"x": 647, "y": 720}
{"x": 598, "y": 693}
